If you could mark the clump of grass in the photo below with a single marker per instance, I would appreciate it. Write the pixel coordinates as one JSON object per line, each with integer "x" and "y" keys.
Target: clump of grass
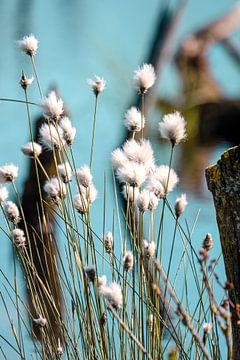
{"x": 112, "y": 303}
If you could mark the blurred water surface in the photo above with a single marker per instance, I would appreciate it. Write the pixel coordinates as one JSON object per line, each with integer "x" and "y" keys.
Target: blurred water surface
{"x": 78, "y": 39}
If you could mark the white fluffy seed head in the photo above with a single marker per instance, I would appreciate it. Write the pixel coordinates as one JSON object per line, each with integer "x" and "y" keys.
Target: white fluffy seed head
{"x": 128, "y": 261}
{"x": 143, "y": 200}
{"x": 41, "y": 321}
{"x": 51, "y": 136}
{"x": 113, "y": 294}
{"x": 3, "y": 194}
{"x": 180, "y": 205}
{"x": 29, "y": 44}
{"x": 90, "y": 193}
{"x": 59, "y": 348}
{"x": 55, "y": 189}
{"x": 25, "y": 82}
{"x": 108, "y": 242}
{"x": 150, "y": 322}
{"x": 130, "y": 193}
{"x": 118, "y": 158}
{"x": 140, "y": 152}
{"x": 102, "y": 280}
{"x": 85, "y": 198}
{"x": 155, "y": 186}
{"x": 31, "y": 148}
{"x": 97, "y": 85}
{"x": 133, "y": 119}
{"x": 12, "y": 212}
{"x": 207, "y": 327}
{"x": 65, "y": 172}
{"x": 173, "y": 128}
{"x": 80, "y": 203}
{"x": 84, "y": 176}
{"x": 69, "y": 131}
{"x": 144, "y": 78}
{"x": 132, "y": 173}
{"x": 167, "y": 177}
{"x": 19, "y": 237}
{"x": 53, "y": 105}
{"x": 153, "y": 201}
{"x": 208, "y": 242}
{"x": 149, "y": 248}
{"x": 8, "y": 173}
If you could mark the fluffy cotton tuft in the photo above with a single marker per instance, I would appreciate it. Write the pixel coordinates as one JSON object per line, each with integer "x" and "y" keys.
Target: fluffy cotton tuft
{"x": 8, "y": 173}
{"x": 90, "y": 193}
{"x": 149, "y": 248}
{"x": 53, "y": 105}
{"x": 3, "y": 194}
{"x": 80, "y": 203}
{"x": 65, "y": 172}
{"x": 59, "y": 348}
{"x": 41, "y": 321}
{"x": 97, "y": 85}
{"x": 155, "y": 187}
{"x": 153, "y": 201}
{"x": 19, "y": 237}
{"x": 130, "y": 193}
{"x": 84, "y": 176}
{"x": 51, "y": 136}
{"x": 102, "y": 280}
{"x": 69, "y": 131}
{"x": 167, "y": 177}
{"x": 150, "y": 322}
{"x": 25, "y": 82}
{"x": 85, "y": 198}
{"x": 144, "y": 78}
{"x": 208, "y": 242}
{"x": 180, "y": 205}
{"x": 108, "y": 242}
{"x": 118, "y": 158}
{"x": 55, "y": 189}
{"x": 132, "y": 173}
{"x": 134, "y": 120}
{"x": 113, "y": 294}
{"x": 143, "y": 200}
{"x": 207, "y": 327}
{"x": 12, "y": 212}
{"x": 140, "y": 152}
{"x": 173, "y": 128}
{"x": 31, "y": 148}
{"x": 29, "y": 44}
{"x": 128, "y": 261}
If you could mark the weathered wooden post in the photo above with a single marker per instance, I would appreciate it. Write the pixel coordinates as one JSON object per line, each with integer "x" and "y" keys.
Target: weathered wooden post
{"x": 223, "y": 181}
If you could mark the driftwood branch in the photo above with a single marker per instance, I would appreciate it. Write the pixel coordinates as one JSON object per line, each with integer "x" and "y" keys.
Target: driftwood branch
{"x": 41, "y": 247}
{"x": 223, "y": 181}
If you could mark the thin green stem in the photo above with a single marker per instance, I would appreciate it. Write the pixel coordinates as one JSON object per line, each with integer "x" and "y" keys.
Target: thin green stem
{"x": 19, "y": 101}
{"x": 142, "y": 115}
{"x": 36, "y": 75}
{"x": 93, "y": 131}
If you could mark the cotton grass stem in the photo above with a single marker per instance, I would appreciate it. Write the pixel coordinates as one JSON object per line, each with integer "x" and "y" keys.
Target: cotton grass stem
{"x": 161, "y": 225}
{"x": 128, "y": 331}
{"x": 182, "y": 312}
{"x": 93, "y": 131}
{"x": 142, "y": 114}
{"x": 19, "y": 101}
{"x": 36, "y": 75}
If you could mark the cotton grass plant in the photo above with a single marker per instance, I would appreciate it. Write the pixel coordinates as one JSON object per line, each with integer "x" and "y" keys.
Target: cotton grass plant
{"x": 116, "y": 301}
